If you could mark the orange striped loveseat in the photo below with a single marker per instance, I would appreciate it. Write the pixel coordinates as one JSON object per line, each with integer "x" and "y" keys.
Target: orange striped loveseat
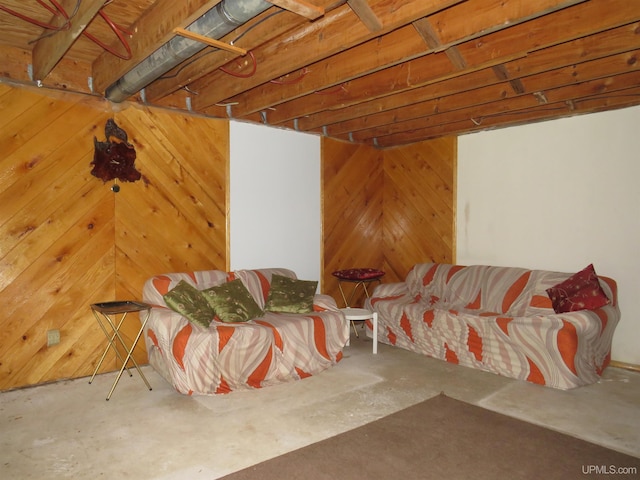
{"x": 497, "y": 319}
{"x": 275, "y": 348}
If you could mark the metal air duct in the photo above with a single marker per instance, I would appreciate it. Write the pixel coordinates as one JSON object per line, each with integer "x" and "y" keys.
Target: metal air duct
{"x": 217, "y": 22}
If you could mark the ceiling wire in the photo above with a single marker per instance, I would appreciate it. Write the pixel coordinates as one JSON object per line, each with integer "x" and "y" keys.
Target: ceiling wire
{"x": 59, "y": 10}
{"x": 34, "y": 21}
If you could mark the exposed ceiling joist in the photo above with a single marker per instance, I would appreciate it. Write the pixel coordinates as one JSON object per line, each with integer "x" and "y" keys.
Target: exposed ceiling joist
{"x": 515, "y": 42}
{"x": 48, "y": 51}
{"x": 366, "y": 14}
{"x": 300, "y": 7}
{"x": 396, "y": 75}
{"x": 586, "y": 56}
{"x": 334, "y": 32}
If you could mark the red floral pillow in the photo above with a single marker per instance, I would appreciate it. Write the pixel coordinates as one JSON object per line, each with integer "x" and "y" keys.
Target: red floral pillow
{"x": 581, "y": 291}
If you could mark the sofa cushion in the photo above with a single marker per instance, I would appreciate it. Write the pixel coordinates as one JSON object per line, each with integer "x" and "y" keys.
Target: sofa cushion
{"x": 288, "y": 295}
{"x": 189, "y": 302}
{"x": 232, "y": 302}
{"x": 581, "y": 291}
{"x": 258, "y": 281}
{"x": 358, "y": 274}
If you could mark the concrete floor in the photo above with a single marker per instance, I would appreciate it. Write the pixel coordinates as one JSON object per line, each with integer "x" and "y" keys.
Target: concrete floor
{"x": 68, "y": 430}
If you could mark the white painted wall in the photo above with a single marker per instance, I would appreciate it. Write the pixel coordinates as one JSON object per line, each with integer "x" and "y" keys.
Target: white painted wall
{"x": 558, "y": 195}
{"x": 275, "y": 216}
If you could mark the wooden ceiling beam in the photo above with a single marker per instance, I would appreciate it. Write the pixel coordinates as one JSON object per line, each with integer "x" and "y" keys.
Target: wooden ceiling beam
{"x": 315, "y": 41}
{"x": 300, "y": 7}
{"x": 341, "y": 67}
{"x": 400, "y": 45}
{"x": 153, "y": 29}
{"x": 383, "y": 52}
{"x": 450, "y": 25}
{"x": 588, "y": 104}
{"x": 366, "y": 15}
{"x": 520, "y": 103}
{"x": 49, "y": 50}
{"x": 610, "y": 42}
{"x": 499, "y": 47}
{"x": 557, "y": 85}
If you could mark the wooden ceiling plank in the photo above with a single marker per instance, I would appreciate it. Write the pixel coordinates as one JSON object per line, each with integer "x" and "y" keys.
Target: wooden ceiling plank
{"x": 421, "y": 66}
{"x": 467, "y": 105}
{"x": 151, "y": 30}
{"x": 621, "y": 99}
{"x": 446, "y": 98}
{"x": 300, "y": 7}
{"x": 499, "y": 106}
{"x": 611, "y": 42}
{"x": 391, "y": 49}
{"x": 315, "y": 41}
{"x": 450, "y": 25}
{"x": 373, "y": 56}
{"x": 49, "y": 50}
{"x": 366, "y": 15}
{"x": 521, "y": 40}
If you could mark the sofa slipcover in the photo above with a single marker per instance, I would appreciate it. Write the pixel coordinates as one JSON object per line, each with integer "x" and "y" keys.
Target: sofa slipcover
{"x": 275, "y": 348}
{"x": 497, "y": 319}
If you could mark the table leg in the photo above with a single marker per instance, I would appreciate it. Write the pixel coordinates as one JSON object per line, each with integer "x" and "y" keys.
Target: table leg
{"x": 130, "y": 356}
{"x": 348, "y": 330}
{"x": 375, "y": 332}
{"x": 111, "y": 342}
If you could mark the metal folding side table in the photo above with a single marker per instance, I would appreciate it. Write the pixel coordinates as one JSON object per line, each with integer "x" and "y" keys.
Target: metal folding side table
{"x": 106, "y": 314}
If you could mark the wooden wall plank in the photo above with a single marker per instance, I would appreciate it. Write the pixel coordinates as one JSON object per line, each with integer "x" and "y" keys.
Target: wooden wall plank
{"x": 67, "y": 240}
{"x": 387, "y": 209}
{"x": 352, "y": 183}
{"x": 419, "y": 205}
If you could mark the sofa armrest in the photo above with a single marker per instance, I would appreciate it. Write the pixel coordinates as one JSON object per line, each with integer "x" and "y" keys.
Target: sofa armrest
{"x": 324, "y": 302}
{"x": 389, "y": 290}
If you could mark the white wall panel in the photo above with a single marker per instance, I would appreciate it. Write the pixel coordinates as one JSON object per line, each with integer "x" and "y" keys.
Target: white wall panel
{"x": 275, "y": 216}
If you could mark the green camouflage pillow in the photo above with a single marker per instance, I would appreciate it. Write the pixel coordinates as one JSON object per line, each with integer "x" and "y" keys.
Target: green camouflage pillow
{"x": 188, "y": 301}
{"x": 232, "y": 302}
{"x": 288, "y": 295}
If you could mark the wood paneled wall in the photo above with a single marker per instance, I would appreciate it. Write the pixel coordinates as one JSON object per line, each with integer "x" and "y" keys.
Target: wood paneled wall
{"x": 387, "y": 209}
{"x": 67, "y": 240}
{"x": 352, "y": 194}
{"x": 419, "y": 205}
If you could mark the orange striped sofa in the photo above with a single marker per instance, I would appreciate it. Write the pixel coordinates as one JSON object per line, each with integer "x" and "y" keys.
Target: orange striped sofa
{"x": 276, "y": 348}
{"x": 497, "y": 319}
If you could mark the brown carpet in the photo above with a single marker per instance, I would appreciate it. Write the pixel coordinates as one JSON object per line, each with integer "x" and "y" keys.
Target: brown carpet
{"x": 444, "y": 438}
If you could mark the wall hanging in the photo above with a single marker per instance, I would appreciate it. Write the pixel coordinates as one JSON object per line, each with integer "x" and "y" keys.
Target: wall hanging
{"x": 114, "y": 158}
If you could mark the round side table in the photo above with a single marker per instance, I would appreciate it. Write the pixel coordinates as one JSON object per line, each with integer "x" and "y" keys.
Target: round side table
{"x": 359, "y": 314}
